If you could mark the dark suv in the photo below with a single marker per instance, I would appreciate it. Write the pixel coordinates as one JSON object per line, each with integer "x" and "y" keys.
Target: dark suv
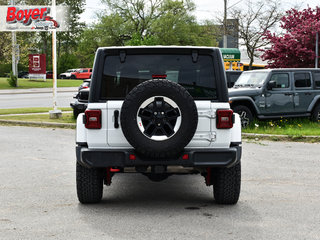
{"x": 275, "y": 93}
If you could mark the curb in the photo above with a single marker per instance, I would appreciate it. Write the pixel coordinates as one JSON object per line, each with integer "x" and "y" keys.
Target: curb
{"x": 38, "y": 90}
{"x": 254, "y": 136}
{"x": 38, "y": 124}
{"x": 296, "y": 138}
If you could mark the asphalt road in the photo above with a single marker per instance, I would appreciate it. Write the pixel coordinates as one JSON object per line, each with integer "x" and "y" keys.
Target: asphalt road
{"x": 280, "y": 197}
{"x": 35, "y": 100}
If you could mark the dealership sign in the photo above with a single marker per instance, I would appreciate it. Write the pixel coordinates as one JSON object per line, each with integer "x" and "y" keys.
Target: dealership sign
{"x": 37, "y": 64}
{"x": 33, "y": 18}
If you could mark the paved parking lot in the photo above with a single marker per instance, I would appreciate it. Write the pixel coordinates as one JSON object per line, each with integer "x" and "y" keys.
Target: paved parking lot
{"x": 280, "y": 197}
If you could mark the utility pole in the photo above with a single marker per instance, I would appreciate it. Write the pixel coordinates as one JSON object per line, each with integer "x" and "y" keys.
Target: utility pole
{"x": 225, "y": 44}
{"x": 55, "y": 113}
{"x": 14, "y": 49}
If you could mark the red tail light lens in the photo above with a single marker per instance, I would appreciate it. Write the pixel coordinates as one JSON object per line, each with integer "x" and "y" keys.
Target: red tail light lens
{"x": 224, "y": 119}
{"x": 93, "y": 119}
{"x": 185, "y": 156}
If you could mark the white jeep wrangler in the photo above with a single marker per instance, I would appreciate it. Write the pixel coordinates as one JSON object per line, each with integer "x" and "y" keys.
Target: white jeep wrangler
{"x": 158, "y": 111}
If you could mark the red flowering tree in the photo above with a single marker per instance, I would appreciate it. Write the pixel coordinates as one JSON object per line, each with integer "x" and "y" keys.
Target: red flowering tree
{"x": 296, "y": 47}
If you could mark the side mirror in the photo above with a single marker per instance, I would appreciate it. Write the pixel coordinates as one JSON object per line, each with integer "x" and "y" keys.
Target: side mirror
{"x": 271, "y": 85}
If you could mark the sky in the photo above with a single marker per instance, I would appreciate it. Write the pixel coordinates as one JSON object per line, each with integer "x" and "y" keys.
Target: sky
{"x": 205, "y": 9}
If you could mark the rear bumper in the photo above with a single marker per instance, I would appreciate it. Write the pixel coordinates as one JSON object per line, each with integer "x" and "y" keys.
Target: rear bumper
{"x": 196, "y": 158}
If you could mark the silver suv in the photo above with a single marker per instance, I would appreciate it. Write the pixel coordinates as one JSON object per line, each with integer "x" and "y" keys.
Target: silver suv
{"x": 158, "y": 111}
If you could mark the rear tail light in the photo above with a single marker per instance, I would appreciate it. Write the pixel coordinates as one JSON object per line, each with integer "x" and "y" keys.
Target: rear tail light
{"x": 93, "y": 119}
{"x": 113, "y": 170}
{"x": 224, "y": 119}
{"x": 185, "y": 156}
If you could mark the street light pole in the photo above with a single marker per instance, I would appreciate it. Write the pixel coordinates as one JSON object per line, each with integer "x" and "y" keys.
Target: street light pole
{"x": 14, "y": 49}
{"x": 225, "y": 45}
{"x": 55, "y": 113}
{"x": 14, "y": 43}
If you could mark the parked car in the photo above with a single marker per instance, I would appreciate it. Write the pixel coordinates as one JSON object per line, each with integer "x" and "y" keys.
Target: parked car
{"x": 82, "y": 73}
{"x": 23, "y": 74}
{"x": 276, "y": 93}
{"x": 86, "y": 84}
{"x": 49, "y": 75}
{"x": 67, "y": 74}
{"x": 81, "y": 102}
{"x": 81, "y": 98}
{"x": 232, "y": 77}
{"x": 158, "y": 111}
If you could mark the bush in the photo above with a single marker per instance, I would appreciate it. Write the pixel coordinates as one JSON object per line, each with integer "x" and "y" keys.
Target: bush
{"x": 12, "y": 80}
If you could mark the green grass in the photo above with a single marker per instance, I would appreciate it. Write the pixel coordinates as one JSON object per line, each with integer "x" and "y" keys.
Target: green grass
{"x": 290, "y": 127}
{"x": 28, "y": 110}
{"x": 26, "y": 83}
{"x": 66, "y": 118}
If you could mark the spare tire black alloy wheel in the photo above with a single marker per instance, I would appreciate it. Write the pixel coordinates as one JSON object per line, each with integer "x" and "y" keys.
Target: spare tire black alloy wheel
{"x": 159, "y": 118}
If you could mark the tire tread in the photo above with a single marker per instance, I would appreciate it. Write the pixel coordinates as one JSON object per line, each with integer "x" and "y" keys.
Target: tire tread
{"x": 89, "y": 184}
{"x": 226, "y": 184}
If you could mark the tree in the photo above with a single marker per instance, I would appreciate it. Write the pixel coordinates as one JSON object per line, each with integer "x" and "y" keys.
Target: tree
{"x": 177, "y": 26}
{"x": 146, "y": 22}
{"x": 5, "y": 46}
{"x": 258, "y": 18}
{"x": 296, "y": 47}
{"x": 138, "y": 15}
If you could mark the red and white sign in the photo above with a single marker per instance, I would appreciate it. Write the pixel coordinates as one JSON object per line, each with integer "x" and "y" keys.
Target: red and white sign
{"x": 33, "y": 18}
{"x": 37, "y": 64}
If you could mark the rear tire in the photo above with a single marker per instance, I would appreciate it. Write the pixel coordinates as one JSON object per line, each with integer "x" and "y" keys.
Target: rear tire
{"x": 245, "y": 115}
{"x": 226, "y": 184}
{"x": 316, "y": 114}
{"x": 89, "y": 184}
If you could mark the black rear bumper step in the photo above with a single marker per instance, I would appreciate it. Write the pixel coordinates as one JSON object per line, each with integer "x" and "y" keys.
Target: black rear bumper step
{"x": 121, "y": 158}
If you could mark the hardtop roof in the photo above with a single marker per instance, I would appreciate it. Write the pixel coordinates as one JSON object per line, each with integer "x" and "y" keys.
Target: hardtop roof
{"x": 158, "y": 46}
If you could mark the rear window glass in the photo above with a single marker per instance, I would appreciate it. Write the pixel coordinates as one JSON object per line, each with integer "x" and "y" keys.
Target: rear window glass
{"x": 119, "y": 78}
{"x": 302, "y": 80}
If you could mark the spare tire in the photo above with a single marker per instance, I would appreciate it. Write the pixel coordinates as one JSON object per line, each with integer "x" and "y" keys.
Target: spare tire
{"x": 159, "y": 118}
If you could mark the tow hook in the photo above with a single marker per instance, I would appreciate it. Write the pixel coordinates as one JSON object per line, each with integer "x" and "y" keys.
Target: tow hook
{"x": 108, "y": 177}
